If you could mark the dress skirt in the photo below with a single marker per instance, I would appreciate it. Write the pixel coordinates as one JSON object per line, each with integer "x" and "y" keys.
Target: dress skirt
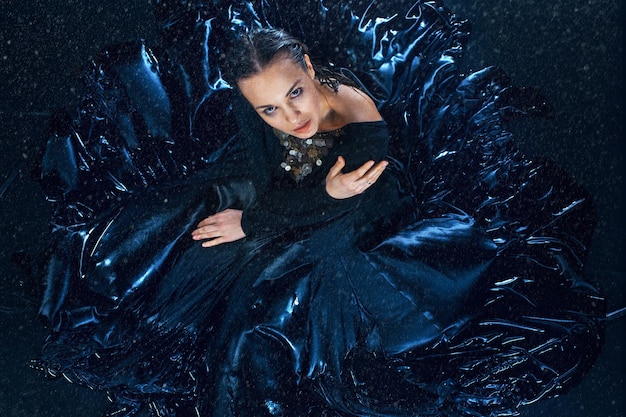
{"x": 468, "y": 300}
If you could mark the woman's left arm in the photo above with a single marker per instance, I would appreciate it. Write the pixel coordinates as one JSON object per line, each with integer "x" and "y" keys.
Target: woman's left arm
{"x": 340, "y": 185}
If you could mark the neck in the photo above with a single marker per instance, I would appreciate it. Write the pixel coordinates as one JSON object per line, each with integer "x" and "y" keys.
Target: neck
{"x": 330, "y": 118}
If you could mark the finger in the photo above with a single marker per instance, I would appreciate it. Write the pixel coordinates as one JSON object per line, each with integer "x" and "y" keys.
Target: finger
{"x": 368, "y": 173}
{"x": 375, "y": 172}
{"x": 212, "y": 242}
{"x": 212, "y": 221}
{"x": 204, "y": 229}
{"x": 207, "y": 231}
{"x": 206, "y": 235}
{"x": 363, "y": 169}
{"x": 337, "y": 167}
{"x": 206, "y": 222}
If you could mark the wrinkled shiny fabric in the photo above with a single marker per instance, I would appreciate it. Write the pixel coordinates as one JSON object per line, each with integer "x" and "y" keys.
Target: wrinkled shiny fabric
{"x": 477, "y": 303}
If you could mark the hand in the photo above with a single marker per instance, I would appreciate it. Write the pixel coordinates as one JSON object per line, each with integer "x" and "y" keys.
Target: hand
{"x": 340, "y": 185}
{"x": 222, "y": 227}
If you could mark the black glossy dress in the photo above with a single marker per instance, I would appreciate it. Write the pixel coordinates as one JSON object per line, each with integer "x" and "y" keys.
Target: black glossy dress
{"x": 452, "y": 287}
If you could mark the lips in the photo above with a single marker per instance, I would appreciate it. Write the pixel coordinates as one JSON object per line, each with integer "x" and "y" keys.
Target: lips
{"x": 303, "y": 127}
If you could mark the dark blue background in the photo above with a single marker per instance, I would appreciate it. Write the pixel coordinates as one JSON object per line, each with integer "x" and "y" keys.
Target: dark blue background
{"x": 571, "y": 49}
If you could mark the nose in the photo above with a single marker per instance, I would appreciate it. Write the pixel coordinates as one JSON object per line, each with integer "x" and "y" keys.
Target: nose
{"x": 292, "y": 115}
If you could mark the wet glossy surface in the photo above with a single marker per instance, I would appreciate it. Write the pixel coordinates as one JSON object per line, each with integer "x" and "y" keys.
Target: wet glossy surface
{"x": 7, "y": 187}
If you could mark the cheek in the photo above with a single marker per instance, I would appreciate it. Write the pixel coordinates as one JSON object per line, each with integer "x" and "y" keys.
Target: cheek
{"x": 313, "y": 104}
{"x": 273, "y": 122}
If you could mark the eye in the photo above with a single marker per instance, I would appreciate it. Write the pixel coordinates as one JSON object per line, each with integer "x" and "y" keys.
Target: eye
{"x": 296, "y": 92}
{"x": 269, "y": 110}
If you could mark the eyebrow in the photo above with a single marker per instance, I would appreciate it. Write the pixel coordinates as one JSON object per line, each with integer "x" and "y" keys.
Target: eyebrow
{"x": 286, "y": 95}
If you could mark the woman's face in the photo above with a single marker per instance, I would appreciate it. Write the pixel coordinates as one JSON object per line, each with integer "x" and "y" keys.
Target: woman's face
{"x": 285, "y": 95}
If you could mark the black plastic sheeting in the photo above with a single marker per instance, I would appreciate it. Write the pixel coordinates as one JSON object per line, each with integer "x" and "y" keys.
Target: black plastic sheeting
{"x": 156, "y": 120}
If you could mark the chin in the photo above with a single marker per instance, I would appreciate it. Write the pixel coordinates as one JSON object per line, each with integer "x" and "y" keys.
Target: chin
{"x": 304, "y": 135}
{"x": 312, "y": 130}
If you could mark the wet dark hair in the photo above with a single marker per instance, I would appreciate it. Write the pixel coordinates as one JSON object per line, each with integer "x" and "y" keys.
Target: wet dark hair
{"x": 254, "y": 50}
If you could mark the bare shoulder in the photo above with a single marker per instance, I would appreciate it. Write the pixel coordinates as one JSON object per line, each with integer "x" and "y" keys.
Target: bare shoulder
{"x": 357, "y": 106}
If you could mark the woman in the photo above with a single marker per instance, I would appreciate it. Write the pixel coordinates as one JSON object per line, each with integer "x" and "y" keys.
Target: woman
{"x": 345, "y": 271}
{"x": 284, "y": 91}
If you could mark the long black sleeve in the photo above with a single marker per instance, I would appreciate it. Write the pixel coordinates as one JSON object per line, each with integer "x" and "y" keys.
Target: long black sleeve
{"x": 284, "y": 205}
